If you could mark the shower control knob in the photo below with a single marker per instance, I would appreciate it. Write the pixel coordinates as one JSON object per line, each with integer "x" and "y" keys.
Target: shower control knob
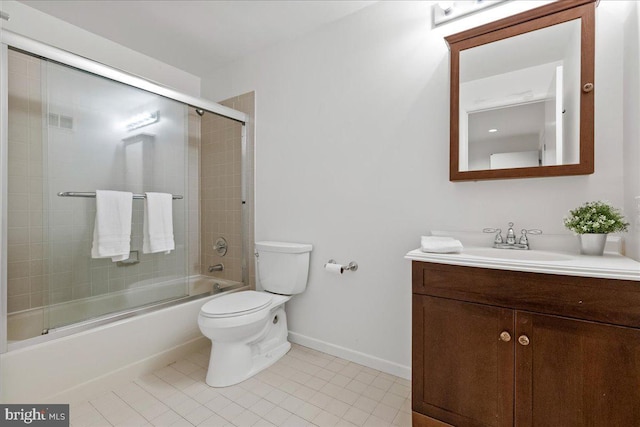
{"x": 221, "y": 246}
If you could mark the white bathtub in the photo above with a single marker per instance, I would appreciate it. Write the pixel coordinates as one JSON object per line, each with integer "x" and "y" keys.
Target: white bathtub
{"x": 31, "y": 323}
{"x": 69, "y": 366}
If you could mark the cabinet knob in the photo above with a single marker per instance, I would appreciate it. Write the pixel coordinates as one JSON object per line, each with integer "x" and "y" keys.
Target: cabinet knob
{"x": 523, "y": 339}
{"x": 505, "y": 336}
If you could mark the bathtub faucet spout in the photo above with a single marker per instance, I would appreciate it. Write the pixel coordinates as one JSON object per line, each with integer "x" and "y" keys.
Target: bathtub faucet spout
{"x": 217, "y": 267}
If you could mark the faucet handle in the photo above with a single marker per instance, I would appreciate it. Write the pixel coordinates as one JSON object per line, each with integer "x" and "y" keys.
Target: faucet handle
{"x": 523, "y": 237}
{"x": 498, "y": 231}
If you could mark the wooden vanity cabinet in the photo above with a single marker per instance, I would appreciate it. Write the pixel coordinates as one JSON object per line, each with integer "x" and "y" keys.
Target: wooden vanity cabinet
{"x": 505, "y": 348}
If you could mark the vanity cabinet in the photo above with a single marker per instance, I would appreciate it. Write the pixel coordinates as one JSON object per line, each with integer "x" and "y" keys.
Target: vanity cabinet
{"x": 504, "y": 348}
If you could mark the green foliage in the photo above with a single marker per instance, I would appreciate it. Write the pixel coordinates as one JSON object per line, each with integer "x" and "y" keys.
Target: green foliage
{"x": 595, "y": 217}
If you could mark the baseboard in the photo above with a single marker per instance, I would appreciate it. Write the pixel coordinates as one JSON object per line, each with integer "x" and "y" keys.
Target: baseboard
{"x": 352, "y": 355}
{"x": 111, "y": 380}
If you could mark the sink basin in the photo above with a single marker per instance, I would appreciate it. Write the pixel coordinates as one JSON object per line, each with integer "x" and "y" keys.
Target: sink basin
{"x": 514, "y": 254}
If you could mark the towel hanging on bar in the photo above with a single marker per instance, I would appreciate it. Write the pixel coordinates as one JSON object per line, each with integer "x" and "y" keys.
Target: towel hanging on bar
{"x": 93, "y": 195}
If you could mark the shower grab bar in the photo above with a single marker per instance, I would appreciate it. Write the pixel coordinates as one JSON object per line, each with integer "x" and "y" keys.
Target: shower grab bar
{"x": 93, "y": 195}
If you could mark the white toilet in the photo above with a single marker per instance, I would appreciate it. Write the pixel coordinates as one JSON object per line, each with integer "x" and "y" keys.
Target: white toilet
{"x": 248, "y": 329}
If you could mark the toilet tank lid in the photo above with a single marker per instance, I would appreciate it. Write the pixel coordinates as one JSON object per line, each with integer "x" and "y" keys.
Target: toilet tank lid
{"x": 291, "y": 248}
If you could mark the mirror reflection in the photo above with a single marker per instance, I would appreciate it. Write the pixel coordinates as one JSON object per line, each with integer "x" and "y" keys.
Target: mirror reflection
{"x": 519, "y": 100}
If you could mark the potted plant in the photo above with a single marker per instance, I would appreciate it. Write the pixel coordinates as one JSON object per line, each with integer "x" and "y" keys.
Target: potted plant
{"x": 592, "y": 222}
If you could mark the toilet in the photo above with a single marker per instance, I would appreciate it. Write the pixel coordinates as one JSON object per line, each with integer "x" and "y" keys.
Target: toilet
{"x": 248, "y": 329}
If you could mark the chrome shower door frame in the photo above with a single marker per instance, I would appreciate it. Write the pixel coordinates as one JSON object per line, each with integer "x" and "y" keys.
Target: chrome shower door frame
{"x": 4, "y": 149}
{"x": 10, "y": 39}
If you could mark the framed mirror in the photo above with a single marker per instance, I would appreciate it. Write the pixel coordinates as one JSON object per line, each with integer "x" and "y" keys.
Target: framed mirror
{"x": 522, "y": 100}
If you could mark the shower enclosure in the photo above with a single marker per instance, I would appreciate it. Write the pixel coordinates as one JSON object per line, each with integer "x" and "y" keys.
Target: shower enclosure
{"x": 74, "y": 129}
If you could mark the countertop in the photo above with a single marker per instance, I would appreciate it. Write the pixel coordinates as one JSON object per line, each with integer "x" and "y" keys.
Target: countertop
{"x": 609, "y": 266}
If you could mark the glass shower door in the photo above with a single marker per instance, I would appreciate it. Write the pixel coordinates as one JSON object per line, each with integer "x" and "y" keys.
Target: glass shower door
{"x": 104, "y": 135}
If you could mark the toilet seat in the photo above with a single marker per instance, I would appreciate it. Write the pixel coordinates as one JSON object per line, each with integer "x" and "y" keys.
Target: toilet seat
{"x": 236, "y": 304}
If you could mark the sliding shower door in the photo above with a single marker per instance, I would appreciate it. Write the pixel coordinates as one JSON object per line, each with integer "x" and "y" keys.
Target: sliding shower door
{"x": 96, "y": 134}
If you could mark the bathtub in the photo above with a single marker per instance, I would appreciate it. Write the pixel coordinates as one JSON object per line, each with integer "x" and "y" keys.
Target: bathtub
{"x": 24, "y": 327}
{"x": 82, "y": 359}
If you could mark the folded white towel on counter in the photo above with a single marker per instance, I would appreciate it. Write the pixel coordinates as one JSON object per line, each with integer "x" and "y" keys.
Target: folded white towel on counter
{"x": 158, "y": 223}
{"x": 112, "y": 229}
{"x": 440, "y": 245}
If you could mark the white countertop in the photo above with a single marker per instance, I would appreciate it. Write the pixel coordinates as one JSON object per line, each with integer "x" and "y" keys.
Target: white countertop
{"x": 610, "y": 266}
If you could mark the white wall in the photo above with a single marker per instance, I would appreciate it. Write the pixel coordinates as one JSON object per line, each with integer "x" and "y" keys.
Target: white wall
{"x": 480, "y": 152}
{"x": 352, "y": 156}
{"x": 632, "y": 128}
{"x": 45, "y": 28}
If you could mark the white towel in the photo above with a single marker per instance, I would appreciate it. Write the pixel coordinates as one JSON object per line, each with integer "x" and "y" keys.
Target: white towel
{"x": 112, "y": 229}
{"x": 158, "y": 223}
{"x": 440, "y": 245}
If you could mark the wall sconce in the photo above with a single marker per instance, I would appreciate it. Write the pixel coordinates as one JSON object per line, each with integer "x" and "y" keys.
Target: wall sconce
{"x": 445, "y": 11}
{"x": 142, "y": 119}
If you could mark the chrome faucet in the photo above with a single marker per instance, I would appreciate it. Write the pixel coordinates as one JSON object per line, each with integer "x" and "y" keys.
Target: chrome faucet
{"x": 510, "y": 242}
{"x": 217, "y": 267}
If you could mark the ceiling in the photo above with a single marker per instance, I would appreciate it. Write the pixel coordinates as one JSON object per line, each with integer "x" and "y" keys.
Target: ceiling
{"x": 509, "y": 122}
{"x": 197, "y": 36}
{"x": 543, "y": 46}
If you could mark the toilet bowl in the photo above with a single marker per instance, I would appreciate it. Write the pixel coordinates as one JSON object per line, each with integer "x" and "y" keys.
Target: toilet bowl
{"x": 247, "y": 335}
{"x": 248, "y": 329}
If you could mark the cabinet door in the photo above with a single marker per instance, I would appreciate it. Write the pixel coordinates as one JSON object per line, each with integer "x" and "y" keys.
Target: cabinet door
{"x": 576, "y": 373}
{"x": 462, "y": 369}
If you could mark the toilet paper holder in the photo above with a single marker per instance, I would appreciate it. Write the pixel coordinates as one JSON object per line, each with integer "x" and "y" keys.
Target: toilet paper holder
{"x": 352, "y": 266}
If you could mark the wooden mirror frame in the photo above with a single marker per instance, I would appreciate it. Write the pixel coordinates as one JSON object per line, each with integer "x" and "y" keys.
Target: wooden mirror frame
{"x": 535, "y": 19}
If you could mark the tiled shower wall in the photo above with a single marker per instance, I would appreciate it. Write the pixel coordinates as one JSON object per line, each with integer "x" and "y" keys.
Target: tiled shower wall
{"x": 26, "y": 280}
{"x": 221, "y": 197}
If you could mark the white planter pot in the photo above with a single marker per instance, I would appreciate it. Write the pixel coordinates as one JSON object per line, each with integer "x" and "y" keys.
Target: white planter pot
{"x": 592, "y": 243}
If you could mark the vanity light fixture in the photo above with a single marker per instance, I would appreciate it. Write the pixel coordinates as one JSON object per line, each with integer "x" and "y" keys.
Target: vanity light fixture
{"x": 445, "y": 11}
{"x": 142, "y": 119}
{"x": 494, "y": 130}
{"x": 446, "y": 6}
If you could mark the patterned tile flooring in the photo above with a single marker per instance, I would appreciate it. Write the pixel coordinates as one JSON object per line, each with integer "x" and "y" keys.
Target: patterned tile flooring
{"x": 304, "y": 388}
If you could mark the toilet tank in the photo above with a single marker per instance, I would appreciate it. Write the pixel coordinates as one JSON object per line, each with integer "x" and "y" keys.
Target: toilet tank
{"x": 283, "y": 268}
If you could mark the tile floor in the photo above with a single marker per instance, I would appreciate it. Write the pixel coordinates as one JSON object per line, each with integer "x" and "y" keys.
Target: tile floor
{"x": 304, "y": 388}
